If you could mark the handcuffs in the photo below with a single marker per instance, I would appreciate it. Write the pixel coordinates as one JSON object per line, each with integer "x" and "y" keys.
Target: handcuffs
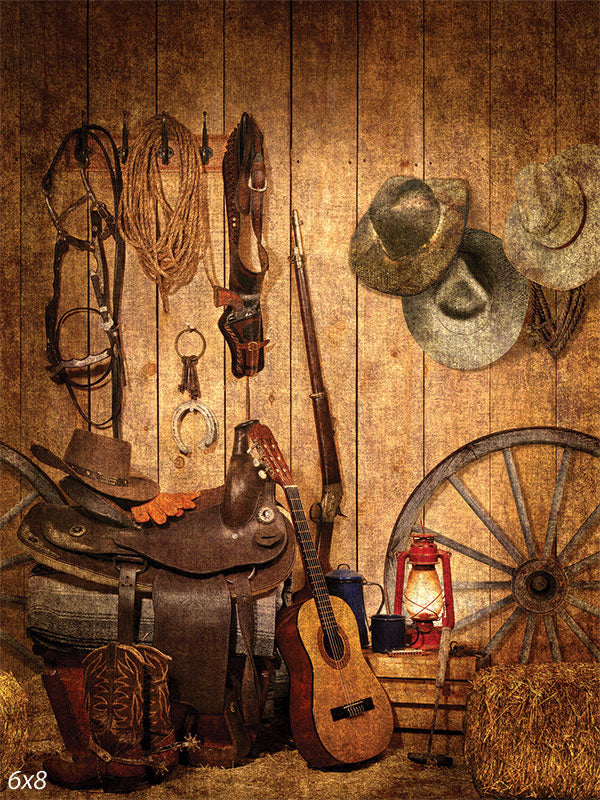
{"x": 189, "y": 383}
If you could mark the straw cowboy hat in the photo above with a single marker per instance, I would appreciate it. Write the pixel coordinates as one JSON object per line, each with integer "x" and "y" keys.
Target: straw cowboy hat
{"x": 475, "y": 311}
{"x": 410, "y": 233}
{"x": 102, "y": 463}
{"x": 552, "y": 232}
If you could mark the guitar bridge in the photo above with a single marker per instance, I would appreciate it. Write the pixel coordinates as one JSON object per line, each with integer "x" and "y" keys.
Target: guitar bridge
{"x": 352, "y": 709}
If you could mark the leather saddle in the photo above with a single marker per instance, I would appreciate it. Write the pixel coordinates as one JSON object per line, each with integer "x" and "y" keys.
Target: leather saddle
{"x": 236, "y": 544}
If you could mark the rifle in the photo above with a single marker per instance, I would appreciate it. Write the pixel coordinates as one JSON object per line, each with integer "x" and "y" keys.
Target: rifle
{"x": 325, "y": 511}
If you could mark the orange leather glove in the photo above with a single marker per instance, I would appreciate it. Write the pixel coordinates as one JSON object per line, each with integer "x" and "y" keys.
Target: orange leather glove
{"x": 164, "y": 505}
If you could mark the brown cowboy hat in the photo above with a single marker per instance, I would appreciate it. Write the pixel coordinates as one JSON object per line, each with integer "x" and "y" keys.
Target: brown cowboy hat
{"x": 552, "y": 232}
{"x": 410, "y": 233}
{"x": 102, "y": 463}
{"x": 475, "y": 311}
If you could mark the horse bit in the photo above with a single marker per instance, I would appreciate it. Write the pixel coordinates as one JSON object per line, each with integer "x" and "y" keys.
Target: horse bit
{"x": 189, "y": 383}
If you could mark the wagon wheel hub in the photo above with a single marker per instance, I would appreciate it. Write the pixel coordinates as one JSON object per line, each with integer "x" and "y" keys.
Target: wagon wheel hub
{"x": 540, "y": 585}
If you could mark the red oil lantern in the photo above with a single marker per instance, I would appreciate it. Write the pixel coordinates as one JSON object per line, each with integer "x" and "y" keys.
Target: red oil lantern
{"x": 420, "y": 595}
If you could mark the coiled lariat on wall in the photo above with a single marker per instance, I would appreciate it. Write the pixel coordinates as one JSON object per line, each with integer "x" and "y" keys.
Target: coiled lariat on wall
{"x": 168, "y": 238}
{"x": 554, "y": 331}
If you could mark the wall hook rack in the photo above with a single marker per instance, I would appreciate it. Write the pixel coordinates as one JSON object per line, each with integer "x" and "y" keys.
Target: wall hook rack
{"x": 164, "y": 152}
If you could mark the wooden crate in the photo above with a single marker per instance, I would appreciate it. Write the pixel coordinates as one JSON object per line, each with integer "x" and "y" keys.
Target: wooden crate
{"x": 409, "y": 681}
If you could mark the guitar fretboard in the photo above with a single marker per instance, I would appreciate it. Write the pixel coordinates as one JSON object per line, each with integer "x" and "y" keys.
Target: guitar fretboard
{"x": 312, "y": 565}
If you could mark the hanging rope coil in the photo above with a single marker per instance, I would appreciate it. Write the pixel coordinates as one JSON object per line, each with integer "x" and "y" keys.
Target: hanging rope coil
{"x": 168, "y": 238}
{"x": 555, "y": 331}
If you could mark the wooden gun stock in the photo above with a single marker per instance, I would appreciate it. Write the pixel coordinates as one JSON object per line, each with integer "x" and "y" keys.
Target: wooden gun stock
{"x": 322, "y": 513}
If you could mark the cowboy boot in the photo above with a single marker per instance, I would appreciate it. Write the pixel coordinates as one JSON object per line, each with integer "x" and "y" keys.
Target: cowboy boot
{"x": 162, "y": 744}
{"x": 114, "y": 760}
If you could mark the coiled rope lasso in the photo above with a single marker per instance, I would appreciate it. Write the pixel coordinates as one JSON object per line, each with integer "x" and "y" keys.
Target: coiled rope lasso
{"x": 168, "y": 237}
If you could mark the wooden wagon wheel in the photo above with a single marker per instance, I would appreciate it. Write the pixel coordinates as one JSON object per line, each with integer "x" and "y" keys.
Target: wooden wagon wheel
{"x": 542, "y": 583}
{"x": 40, "y": 486}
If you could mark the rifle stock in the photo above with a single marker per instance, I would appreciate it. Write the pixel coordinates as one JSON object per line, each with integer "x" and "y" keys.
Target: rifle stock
{"x": 324, "y": 512}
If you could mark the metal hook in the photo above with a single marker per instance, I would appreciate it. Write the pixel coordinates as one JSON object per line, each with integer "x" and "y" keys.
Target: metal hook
{"x": 206, "y": 152}
{"x": 83, "y": 151}
{"x": 164, "y": 152}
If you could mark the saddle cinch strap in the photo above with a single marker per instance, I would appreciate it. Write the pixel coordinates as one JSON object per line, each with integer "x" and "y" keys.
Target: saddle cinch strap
{"x": 245, "y": 181}
{"x": 234, "y": 545}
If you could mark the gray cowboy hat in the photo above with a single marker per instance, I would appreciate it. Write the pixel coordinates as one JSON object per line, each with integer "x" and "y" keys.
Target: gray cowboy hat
{"x": 552, "y": 232}
{"x": 410, "y": 233}
{"x": 102, "y": 463}
{"x": 475, "y": 311}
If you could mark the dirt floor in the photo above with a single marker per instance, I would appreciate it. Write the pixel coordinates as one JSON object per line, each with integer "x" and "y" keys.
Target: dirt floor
{"x": 282, "y": 775}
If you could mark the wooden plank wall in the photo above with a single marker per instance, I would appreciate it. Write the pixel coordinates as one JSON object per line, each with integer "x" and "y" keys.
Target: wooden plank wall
{"x": 347, "y": 94}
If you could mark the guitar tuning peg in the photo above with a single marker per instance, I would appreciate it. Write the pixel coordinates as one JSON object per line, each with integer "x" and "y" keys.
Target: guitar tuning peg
{"x": 256, "y": 462}
{"x": 262, "y": 474}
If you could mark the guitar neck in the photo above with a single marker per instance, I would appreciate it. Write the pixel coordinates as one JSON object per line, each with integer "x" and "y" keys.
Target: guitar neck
{"x": 310, "y": 559}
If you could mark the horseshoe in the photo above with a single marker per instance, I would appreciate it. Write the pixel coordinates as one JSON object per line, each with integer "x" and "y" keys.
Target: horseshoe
{"x": 210, "y": 421}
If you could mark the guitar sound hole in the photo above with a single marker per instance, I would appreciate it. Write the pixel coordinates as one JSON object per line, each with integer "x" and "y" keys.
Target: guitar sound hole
{"x": 334, "y": 645}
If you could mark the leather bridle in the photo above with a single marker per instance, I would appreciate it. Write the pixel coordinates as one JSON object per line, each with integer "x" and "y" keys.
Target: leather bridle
{"x": 102, "y": 226}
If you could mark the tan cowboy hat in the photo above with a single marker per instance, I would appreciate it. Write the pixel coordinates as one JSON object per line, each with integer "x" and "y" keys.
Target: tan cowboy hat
{"x": 552, "y": 232}
{"x": 475, "y": 311}
{"x": 102, "y": 463}
{"x": 410, "y": 233}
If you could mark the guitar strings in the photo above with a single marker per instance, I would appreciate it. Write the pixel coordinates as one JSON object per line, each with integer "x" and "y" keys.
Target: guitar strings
{"x": 309, "y": 554}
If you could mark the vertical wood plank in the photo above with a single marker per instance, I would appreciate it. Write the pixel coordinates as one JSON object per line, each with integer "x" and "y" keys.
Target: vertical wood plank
{"x": 578, "y": 368}
{"x": 390, "y": 363}
{"x": 324, "y": 192}
{"x": 522, "y": 130}
{"x": 122, "y": 34}
{"x": 52, "y": 87}
{"x": 187, "y": 86}
{"x": 13, "y": 581}
{"x": 456, "y": 145}
{"x": 257, "y": 76}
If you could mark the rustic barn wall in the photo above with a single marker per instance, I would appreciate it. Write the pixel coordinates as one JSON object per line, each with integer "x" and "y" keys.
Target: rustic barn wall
{"x": 347, "y": 94}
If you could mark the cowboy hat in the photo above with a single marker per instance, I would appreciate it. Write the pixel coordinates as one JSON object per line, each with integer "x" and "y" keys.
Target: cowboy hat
{"x": 102, "y": 463}
{"x": 552, "y": 232}
{"x": 475, "y": 311}
{"x": 410, "y": 233}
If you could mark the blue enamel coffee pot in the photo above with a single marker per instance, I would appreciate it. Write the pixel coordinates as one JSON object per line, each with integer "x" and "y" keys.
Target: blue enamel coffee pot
{"x": 345, "y": 583}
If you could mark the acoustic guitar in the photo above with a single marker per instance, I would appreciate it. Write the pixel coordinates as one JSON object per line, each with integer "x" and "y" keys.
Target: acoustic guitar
{"x": 339, "y": 713}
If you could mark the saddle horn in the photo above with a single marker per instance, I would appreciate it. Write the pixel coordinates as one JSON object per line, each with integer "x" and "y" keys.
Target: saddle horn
{"x": 243, "y": 484}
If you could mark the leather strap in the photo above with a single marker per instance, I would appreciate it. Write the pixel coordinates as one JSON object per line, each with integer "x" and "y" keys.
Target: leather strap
{"x": 240, "y": 587}
{"x": 245, "y": 182}
{"x": 128, "y": 572}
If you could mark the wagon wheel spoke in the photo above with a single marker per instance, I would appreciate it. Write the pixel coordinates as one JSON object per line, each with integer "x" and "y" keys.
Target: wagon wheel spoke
{"x": 513, "y": 479}
{"x": 18, "y": 508}
{"x": 21, "y": 558}
{"x": 584, "y": 605}
{"x": 527, "y": 639}
{"x": 463, "y": 585}
{"x": 503, "y": 630}
{"x": 585, "y": 563}
{"x": 557, "y": 500}
{"x": 484, "y": 612}
{"x": 580, "y": 633}
{"x": 467, "y": 551}
{"x": 552, "y": 639}
{"x": 489, "y": 522}
{"x": 579, "y": 535}
{"x": 585, "y": 584}
{"x": 15, "y": 645}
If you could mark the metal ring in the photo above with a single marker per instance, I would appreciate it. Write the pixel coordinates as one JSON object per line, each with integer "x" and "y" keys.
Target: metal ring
{"x": 189, "y": 329}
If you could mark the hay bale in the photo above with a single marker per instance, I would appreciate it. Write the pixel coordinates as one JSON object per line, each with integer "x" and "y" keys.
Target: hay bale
{"x": 13, "y": 727}
{"x": 533, "y": 731}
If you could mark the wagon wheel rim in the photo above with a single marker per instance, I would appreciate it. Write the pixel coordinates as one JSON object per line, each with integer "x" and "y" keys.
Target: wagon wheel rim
{"x": 42, "y": 488}
{"x": 540, "y": 584}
